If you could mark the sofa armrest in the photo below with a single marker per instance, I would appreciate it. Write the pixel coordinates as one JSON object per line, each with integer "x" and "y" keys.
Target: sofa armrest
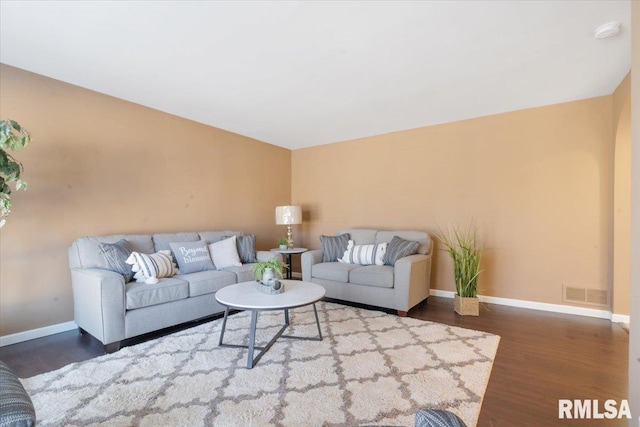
{"x": 412, "y": 280}
{"x": 308, "y": 260}
{"x": 99, "y": 298}
{"x": 267, "y": 255}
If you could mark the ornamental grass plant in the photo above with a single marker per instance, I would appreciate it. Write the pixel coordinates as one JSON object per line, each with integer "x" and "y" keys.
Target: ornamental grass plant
{"x": 462, "y": 245}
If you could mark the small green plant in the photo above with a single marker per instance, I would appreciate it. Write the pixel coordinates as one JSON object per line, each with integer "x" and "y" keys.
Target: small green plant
{"x": 283, "y": 241}
{"x": 465, "y": 252}
{"x": 259, "y": 267}
{"x": 12, "y": 137}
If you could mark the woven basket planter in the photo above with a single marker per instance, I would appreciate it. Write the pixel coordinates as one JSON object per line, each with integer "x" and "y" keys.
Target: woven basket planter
{"x": 466, "y": 306}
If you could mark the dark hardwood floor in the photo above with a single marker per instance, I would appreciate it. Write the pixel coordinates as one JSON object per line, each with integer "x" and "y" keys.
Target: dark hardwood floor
{"x": 542, "y": 357}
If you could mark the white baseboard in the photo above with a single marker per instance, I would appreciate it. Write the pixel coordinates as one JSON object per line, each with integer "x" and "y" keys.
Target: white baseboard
{"x": 36, "y": 333}
{"x": 555, "y": 308}
{"x": 620, "y": 318}
{"x": 441, "y": 293}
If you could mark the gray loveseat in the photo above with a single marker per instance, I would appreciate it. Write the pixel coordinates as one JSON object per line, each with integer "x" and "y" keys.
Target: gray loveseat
{"x": 111, "y": 310}
{"x": 398, "y": 287}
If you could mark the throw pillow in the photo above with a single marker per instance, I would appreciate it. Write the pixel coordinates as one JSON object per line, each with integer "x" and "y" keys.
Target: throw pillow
{"x": 192, "y": 256}
{"x": 149, "y": 268}
{"x": 114, "y": 258}
{"x": 437, "y": 418}
{"x": 225, "y": 253}
{"x": 16, "y": 407}
{"x": 333, "y": 247}
{"x": 246, "y": 246}
{"x": 399, "y": 248}
{"x": 364, "y": 254}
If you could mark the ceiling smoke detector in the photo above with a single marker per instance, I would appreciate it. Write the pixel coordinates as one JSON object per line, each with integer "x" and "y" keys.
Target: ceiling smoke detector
{"x": 607, "y": 30}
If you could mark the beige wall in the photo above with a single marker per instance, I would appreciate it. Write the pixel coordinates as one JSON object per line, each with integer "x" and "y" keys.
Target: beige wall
{"x": 622, "y": 198}
{"x": 100, "y": 165}
{"x": 538, "y": 183}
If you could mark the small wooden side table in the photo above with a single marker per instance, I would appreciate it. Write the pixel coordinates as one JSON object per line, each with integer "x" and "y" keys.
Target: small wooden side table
{"x": 288, "y": 253}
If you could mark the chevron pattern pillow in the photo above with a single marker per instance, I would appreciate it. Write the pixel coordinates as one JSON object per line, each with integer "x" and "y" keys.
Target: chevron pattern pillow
{"x": 114, "y": 258}
{"x": 437, "y": 418}
{"x": 16, "y": 408}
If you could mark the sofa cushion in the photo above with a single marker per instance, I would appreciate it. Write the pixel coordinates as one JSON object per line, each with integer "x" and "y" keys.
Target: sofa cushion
{"x": 380, "y": 276}
{"x": 16, "y": 407}
{"x": 114, "y": 256}
{"x": 225, "y": 253}
{"x": 333, "y": 247}
{"x": 216, "y": 236}
{"x": 243, "y": 273}
{"x": 140, "y": 295}
{"x": 400, "y": 248}
{"x": 162, "y": 241}
{"x": 207, "y": 282}
{"x": 364, "y": 254}
{"x": 85, "y": 251}
{"x": 192, "y": 256}
{"x": 336, "y": 271}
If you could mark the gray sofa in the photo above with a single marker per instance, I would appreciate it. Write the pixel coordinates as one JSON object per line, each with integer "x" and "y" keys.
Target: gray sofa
{"x": 112, "y": 310}
{"x": 398, "y": 287}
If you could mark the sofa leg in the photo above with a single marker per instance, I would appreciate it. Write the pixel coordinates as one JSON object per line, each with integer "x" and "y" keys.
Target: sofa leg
{"x": 81, "y": 331}
{"x": 112, "y": 348}
{"x": 402, "y": 313}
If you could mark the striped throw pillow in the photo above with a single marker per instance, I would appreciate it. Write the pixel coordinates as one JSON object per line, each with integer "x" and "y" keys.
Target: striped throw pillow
{"x": 246, "y": 246}
{"x": 364, "y": 254}
{"x": 333, "y": 247}
{"x": 399, "y": 248}
{"x": 149, "y": 268}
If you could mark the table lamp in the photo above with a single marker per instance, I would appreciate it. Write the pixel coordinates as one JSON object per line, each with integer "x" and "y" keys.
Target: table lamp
{"x": 288, "y": 215}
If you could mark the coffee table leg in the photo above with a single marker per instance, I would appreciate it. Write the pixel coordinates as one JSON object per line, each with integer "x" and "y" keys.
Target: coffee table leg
{"x": 315, "y": 311}
{"x": 286, "y": 317}
{"x": 252, "y": 338}
{"x": 224, "y": 325}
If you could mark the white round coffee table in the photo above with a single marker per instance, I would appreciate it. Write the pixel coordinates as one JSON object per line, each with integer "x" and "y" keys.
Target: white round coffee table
{"x": 245, "y": 296}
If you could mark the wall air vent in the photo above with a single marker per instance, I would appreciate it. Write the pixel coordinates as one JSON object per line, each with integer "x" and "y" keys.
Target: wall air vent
{"x": 599, "y": 297}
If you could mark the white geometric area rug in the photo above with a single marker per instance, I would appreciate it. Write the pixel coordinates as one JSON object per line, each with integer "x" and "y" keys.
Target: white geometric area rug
{"x": 371, "y": 368}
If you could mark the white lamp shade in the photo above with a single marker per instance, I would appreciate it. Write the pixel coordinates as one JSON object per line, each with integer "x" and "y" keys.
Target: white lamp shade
{"x": 287, "y": 215}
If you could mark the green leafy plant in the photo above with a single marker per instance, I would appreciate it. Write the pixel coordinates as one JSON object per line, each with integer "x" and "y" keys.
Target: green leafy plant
{"x": 12, "y": 137}
{"x": 259, "y": 267}
{"x": 462, "y": 245}
{"x": 283, "y": 241}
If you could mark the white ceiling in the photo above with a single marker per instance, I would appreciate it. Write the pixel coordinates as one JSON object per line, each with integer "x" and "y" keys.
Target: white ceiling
{"x": 298, "y": 74}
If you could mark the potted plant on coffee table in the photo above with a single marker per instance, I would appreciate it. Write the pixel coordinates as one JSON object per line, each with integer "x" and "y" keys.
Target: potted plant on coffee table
{"x": 465, "y": 252}
{"x": 266, "y": 270}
